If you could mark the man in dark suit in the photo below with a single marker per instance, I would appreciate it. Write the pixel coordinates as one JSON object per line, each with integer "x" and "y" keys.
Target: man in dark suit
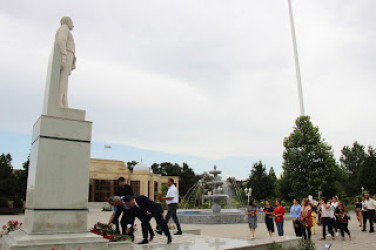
{"x": 145, "y": 224}
{"x": 119, "y": 207}
{"x": 142, "y": 205}
{"x": 123, "y": 190}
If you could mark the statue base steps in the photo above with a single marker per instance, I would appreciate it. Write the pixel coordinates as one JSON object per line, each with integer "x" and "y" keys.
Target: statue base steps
{"x": 20, "y": 240}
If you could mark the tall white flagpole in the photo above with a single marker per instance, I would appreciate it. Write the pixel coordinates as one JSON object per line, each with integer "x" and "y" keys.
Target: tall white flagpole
{"x": 297, "y": 67}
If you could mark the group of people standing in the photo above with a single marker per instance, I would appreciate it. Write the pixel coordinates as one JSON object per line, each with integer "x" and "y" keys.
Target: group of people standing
{"x": 332, "y": 215}
{"x": 365, "y": 211}
{"x": 269, "y": 212}
{"x": 128, "y": 207}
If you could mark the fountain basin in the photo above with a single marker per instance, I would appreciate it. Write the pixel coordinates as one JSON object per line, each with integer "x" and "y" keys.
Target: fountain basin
{"x": 206, "y": 216}
{"x": 215, "y": 197}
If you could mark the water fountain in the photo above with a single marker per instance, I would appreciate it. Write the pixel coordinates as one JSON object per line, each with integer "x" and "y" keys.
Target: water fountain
{"x": 216, "y": 195}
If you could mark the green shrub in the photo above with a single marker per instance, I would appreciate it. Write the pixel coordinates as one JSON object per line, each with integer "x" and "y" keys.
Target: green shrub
{"x": 4, "y": 202}
{"x": 17, "y": 202}
{"x": 205, "y": 205}
{"x": 275, "y": 246}
{"x": 306, "y": 245}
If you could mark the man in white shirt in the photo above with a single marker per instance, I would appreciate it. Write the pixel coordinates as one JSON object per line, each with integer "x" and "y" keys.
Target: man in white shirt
{"x": 370, "y": 204}
{"x": 172, "y": 199}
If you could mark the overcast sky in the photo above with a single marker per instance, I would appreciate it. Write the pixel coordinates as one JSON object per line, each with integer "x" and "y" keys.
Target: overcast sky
{"x": 204, "y": 80}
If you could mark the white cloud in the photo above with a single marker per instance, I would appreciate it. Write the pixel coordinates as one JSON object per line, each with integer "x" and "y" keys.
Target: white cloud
{"x": 210, "y": 79}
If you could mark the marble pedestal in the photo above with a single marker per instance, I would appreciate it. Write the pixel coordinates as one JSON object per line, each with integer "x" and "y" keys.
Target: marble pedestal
{"x": 58, "y": 186}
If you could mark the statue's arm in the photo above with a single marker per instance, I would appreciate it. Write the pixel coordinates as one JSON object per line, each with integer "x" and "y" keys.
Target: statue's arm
{"x": 62, "y": 38}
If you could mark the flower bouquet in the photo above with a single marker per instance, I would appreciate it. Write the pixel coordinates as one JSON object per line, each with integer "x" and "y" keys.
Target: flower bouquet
{"x": 107, "y": 232}
{"x": 12, "y": 225}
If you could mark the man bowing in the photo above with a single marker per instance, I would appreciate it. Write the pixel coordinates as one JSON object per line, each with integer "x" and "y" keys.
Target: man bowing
{"x": 142, "y": 204}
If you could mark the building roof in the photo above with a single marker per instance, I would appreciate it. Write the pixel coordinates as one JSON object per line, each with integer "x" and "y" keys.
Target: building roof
{"x": 141, "y": 167}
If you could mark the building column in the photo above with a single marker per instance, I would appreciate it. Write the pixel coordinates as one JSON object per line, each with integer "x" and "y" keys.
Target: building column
{"x": 112, "y": 188}
{"x": 92, "y": 190}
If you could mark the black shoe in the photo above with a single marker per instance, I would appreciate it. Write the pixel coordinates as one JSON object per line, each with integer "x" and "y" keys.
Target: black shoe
{"x": 158, "y": 232}
{"x": 364, "y": 230}
{"x": 151, "y": 237}
{"x": 178, "y": 233}
{"x": 169, "y": 239}
{"x": 132, "y": 238}
{"x": 372, "y": 231}
{"x": 145, "y": 241}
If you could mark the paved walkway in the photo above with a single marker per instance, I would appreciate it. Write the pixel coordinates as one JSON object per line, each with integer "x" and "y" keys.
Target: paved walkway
{"x": 361, "y": 240}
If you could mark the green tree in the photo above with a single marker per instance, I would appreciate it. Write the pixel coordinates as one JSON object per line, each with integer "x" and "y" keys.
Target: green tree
{"x": 272, "y": 182}
{"x": 167, "y": 168}
{"x": 156, "y": 168}
{"x": 261, "y": 183}
{"x": 131, "y": 164}
{"x": 7, "y": 178}
{"x": 21, "y": 179}
{"x": 353, "y": 160}
{"x": 187, "y": 179}
{"x": 368, "y": 172}
{"x": 309, "y": 164}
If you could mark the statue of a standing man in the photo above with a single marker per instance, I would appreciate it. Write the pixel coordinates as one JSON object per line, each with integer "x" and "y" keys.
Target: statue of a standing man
{"x": 65, "y": 42}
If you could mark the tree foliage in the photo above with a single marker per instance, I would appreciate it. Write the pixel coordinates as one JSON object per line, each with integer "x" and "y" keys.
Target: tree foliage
{"x": 7, "y": 178}
{"x": 131, "y": 165}
{"x": 21, "y": 179}
{"x": 309, "y": 165}
{"x": 262, "y": 184}
{"x": 368, "y": 171}
{"x": 187, "y": 177}
{"x": 360, "y": 166}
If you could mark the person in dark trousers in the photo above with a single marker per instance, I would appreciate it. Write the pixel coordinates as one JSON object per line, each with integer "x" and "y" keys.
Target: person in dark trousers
{"x": 295, "y": 216}
{"x": 268, "y": 213}
{"x": 123, "y": 190}
{"x": 364, "y": 214}
{"x": 325, "y": 219}
{"x": 172, "y": 199}
{"x": 111, "y": 221}
{"x": 358, "y": 211}
{"x": 370, "y": 204}
{"x": 145, "y": 223}
{"x": 145, "y": 206}
{"x": 121, "y": 208}
{"x": 343, "y": 219}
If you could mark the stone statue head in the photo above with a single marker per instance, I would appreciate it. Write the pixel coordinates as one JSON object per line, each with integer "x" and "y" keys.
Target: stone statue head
{"x": 68, "y": 21}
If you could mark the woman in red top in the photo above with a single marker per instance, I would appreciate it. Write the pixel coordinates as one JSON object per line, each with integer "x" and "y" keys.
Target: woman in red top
{"x": 279, "y": 212}
{"x": 306, "y": 218}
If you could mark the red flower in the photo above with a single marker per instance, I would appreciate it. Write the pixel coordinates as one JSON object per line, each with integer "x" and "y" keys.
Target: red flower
{"x": 160, "y": 196}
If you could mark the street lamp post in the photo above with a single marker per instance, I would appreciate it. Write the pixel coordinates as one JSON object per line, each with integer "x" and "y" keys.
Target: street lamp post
{"x": 248, "y": 192}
